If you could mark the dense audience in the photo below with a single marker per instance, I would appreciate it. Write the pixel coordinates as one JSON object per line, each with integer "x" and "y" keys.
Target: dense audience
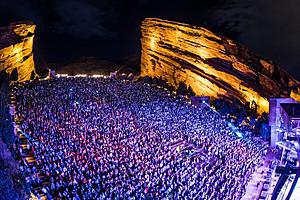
{"x": 102, "y": 138}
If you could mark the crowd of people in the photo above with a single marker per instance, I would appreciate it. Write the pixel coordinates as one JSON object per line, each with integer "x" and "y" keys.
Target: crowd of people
{"x": 104, "y": 138}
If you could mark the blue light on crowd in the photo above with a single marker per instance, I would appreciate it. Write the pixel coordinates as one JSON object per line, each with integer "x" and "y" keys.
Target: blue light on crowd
{"x": 239, "y": 134}
{"x": 235, "y": 130}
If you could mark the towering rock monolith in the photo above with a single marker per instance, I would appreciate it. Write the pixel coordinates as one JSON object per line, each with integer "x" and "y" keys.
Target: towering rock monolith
{"x": 16, "y": 51}
{"x": 210, "y": 64}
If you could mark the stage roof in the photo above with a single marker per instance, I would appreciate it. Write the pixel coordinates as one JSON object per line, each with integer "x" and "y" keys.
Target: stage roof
{"x": 292, "y": 109}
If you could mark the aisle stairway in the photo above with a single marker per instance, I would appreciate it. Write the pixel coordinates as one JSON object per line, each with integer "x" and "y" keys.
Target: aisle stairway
{"x": 26, "y": 153}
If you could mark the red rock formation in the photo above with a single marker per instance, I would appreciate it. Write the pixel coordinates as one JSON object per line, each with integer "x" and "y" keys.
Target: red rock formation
{"x": 16, "y": 43}
{"x": 210, "y": 64}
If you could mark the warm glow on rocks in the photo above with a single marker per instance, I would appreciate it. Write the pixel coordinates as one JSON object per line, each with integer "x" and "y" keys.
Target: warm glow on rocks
{"x": 16, "y": 43}
{"x": 210, "y": 64}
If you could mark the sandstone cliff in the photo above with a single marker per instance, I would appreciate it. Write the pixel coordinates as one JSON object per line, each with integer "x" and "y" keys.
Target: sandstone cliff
{"x": 211, "y": 64}
{"x": 16, "y": 55}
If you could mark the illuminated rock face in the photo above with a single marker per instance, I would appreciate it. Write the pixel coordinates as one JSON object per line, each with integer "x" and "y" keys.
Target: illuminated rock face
{"x": 210, "y": 64}
{"x": 16, "y": 56}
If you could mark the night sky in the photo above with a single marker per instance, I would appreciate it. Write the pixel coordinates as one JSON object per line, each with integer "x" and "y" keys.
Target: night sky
{"x": 109, "y": 29}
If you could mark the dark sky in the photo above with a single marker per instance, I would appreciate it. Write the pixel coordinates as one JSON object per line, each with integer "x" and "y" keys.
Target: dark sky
{"x": 109, "y": 29}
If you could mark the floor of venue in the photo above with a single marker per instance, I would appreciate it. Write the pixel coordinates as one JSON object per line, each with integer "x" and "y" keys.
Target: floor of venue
{"x": 103, "y": 138}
